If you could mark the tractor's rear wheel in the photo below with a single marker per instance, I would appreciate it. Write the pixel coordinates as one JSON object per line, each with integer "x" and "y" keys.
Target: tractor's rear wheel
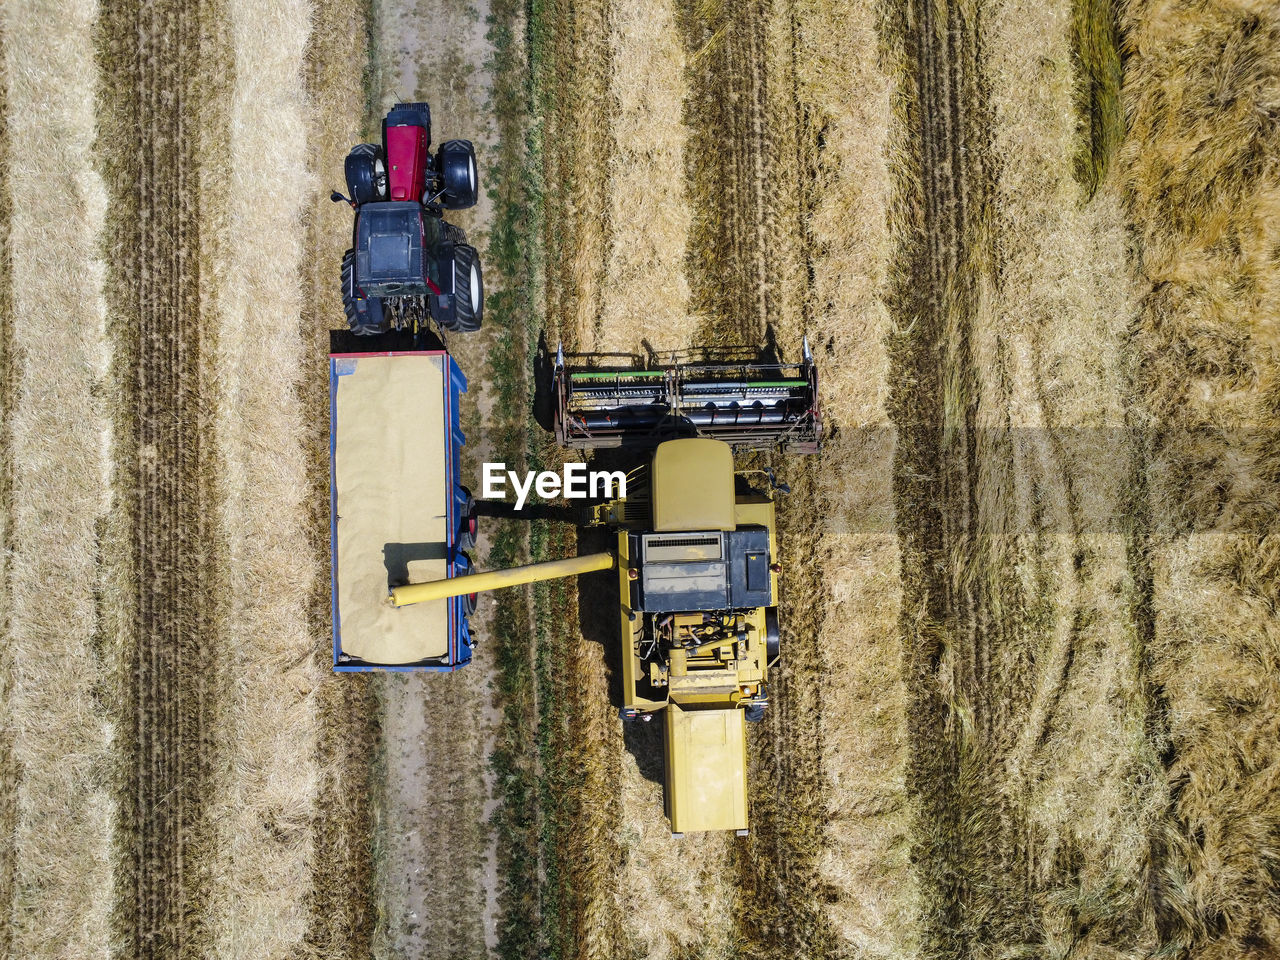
{"x": 364, "y": 314}
{"x": 468, "y": 288}
{"x": 348, "y": 287}
{"x": 468, "y": 600}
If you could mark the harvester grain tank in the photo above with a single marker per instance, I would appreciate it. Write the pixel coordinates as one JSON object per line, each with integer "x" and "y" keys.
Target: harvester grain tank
{"x": 695, "y": 554}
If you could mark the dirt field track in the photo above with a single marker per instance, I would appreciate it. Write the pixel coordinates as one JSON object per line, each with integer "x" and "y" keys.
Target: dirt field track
{"x": 1029, "y": 704}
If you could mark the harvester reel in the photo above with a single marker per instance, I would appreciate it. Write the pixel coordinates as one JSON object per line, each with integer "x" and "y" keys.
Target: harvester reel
{"x": 747, "y": 405}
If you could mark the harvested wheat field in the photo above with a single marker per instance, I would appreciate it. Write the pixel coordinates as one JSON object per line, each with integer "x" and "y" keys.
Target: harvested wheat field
{"x": 1029, "y": 698}
{"x": 974, "y": 745}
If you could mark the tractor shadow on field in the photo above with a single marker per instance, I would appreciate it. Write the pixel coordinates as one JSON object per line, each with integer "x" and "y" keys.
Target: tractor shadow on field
{"x": 393, "y": 341}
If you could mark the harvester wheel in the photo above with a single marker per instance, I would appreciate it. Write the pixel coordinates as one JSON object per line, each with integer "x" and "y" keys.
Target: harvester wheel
{"x": 468, "y": 288}
{"x": 772, "y": 642}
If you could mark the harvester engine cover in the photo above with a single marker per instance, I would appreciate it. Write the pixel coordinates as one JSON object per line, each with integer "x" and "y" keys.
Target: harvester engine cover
{"x": 712, "y": 570}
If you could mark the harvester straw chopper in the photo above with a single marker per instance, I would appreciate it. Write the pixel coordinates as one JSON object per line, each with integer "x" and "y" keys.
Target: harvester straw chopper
{"x": 696, "y": 555}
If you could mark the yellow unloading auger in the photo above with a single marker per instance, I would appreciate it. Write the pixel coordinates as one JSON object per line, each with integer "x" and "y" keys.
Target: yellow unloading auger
{"x": 497, "y": 579}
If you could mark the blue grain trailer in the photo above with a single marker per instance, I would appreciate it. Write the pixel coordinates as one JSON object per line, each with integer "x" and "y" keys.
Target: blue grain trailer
{"x": 398, "y": 513}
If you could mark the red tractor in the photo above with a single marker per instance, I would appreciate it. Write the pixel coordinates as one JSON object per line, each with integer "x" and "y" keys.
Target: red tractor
{"x": 406, "y": 264}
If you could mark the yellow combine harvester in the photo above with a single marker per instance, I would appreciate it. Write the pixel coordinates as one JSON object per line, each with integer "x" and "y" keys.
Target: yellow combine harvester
{"x": 697, "y": 562}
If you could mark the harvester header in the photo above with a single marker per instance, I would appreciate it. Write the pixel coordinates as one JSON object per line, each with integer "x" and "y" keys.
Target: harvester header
{"x": 747, "y": 405}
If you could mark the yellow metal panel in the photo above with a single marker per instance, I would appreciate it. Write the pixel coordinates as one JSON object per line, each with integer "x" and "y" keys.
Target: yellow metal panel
{"x": 706, "y": 756}
{"x": 693, "y": 485}
{"x": 632, "y": 668}
{"x": 754, "y": 511}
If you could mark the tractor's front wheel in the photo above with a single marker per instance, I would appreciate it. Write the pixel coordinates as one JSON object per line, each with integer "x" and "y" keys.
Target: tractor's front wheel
{"x": 468, "y": 288}
{"x": 364, "y": 314}
{"x": 468, "y": 525}
{"x": 366, "y": 170}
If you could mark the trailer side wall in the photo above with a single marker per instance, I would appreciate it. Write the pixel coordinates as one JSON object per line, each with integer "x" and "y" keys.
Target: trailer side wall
{"x": 395, "y": 451}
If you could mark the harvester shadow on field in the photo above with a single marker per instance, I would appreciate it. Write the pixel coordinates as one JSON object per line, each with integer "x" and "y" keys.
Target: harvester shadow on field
{"x": 505, "y": 510}
{"x": 397, "y": 557}
{"x": 598, "y": 613}
{"x": 544, "y": 400}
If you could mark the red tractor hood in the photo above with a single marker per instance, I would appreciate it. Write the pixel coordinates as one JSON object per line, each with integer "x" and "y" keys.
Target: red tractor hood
{"x": 406, "y": 162}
